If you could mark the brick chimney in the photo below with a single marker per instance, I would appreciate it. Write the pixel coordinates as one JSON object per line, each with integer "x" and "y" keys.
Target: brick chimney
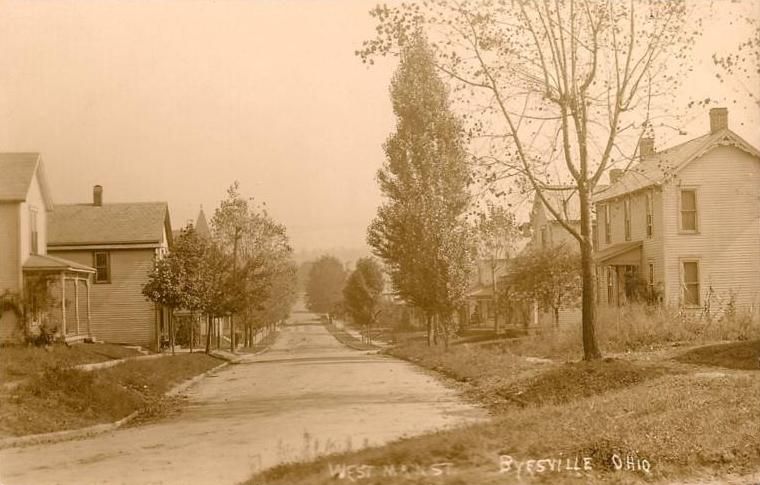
{"x": 718, "y": 119}
{"x": 615, "y": 174}
{"x": 97, "y": 195}
{"x": 646, "y": 147}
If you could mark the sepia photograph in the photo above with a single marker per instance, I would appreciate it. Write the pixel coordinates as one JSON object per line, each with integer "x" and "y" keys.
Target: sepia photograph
{"x": 338, "y": 242}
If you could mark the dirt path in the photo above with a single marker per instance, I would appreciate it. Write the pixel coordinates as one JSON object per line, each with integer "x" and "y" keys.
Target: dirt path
{"x": 307, "y": 395}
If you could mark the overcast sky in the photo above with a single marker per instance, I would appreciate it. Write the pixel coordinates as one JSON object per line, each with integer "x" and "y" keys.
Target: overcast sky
{"x": 174, "y": 100}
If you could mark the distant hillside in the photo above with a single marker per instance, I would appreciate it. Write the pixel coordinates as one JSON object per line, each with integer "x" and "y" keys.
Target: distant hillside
{"x": 347, "y": 256}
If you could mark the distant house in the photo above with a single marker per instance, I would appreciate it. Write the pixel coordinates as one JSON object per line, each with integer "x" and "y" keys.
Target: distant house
{"x": 121, "y": 241}
{"x": 684, "y": 223}
{"x": 545, "y": 229}
{"x": 25, "y": 205}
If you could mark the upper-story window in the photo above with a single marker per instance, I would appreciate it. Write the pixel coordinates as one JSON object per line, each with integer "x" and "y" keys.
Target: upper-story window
{"x": 607, "y": 224}
{"x": 627, "y": 210}
{"x": 102, "y": 263}
{"x": 650, "y": 215}
{"x": 689, "y": 210}
{"x": 594, "y": 234}
{"x": 34, "y": 234}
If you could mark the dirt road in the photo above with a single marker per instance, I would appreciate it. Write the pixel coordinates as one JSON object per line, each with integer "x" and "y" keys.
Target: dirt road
{"x": 307, "y": 395}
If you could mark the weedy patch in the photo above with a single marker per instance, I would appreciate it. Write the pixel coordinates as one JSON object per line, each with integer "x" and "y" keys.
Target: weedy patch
{"x": 734, "y": 355}
{"x": 62, "y": 398}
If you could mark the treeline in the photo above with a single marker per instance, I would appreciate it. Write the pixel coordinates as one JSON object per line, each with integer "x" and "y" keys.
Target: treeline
{"x": 242, "y": 270}
{"x": 339, "y": 293}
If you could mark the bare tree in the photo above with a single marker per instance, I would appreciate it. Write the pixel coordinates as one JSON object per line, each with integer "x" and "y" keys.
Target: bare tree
{"x": 554, "y": 91}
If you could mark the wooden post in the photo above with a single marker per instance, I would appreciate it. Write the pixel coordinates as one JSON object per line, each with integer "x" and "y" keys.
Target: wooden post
{"x": 63, "y": 304}
{"x": 76, "y": 301}
{"x": 89, "y": 318}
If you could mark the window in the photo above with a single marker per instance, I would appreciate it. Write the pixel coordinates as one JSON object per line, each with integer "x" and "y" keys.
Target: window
{"x": 607, "y": 224}
{"x": 597, "y": 284}
{"x": 610, "y": 285}
{"x": 689, "y": 210}
{"x": 102, "y": 267}
{"x": 34, "y": 239}
{"x": 627, "y": 209}
{"x": 595, "y": 234}
{"x": 650, "y": 216}
{"x": 690, "y": 277}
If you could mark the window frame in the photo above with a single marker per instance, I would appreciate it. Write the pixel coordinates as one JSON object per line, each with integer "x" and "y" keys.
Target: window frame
{"x": 650, "y": 214}
{"x": 611, "y": 275}
{"x": 627, "y": 217}
{"x": 34, "y": 231}
{"x": 685, "y": 285}
{"x": 681, "y": 211}
{"x": 607, "y": 224}
{"x": 107, "y": 279}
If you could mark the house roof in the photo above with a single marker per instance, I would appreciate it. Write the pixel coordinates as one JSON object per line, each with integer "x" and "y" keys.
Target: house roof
{"x": 611, "y": 252}
{"x": 120, "y": 223}
{"x": 38, "y": 262}
{"x": 17, "y": 171}
{"x": 662, "y": 165}
{"x": 563, "y": 199}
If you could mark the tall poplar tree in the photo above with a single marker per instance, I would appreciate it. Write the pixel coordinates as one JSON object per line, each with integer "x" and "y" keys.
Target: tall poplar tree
{"x": 420, "y": 232}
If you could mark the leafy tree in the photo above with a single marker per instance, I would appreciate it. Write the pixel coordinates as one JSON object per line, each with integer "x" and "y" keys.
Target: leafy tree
{"x": 549, "y": 276}
{"x": 420, "y": 232}
{"x": 324, "y": 289}
{"x": 496, "y": 236}
{"x": 165, "y": 287}
{"x": 362, "y": 293}
{"x": 742, "y": 65}
{"x": 554, "y": 92}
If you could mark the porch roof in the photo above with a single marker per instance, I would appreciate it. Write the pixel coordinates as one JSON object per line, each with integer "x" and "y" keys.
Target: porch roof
{"x": 623, "y": 253}
{"x": 38, "y": 262}
{"x": 481, "y": 293}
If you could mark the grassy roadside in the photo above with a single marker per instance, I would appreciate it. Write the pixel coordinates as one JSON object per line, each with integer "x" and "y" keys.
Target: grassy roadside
{"x": 17, "y": 363}
{"x": 63, "y": 398}
{"x": 667, "y": 420}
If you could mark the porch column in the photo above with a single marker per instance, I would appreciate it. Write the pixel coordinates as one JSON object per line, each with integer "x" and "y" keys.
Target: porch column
{"x": 76, "y": 300}
{"x": 89, "y": 320}
{"x": 63, "y": 304}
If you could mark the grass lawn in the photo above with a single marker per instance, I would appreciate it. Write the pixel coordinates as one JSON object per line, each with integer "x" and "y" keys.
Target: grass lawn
{"x": 734, "y": 355}
{"x": 656, "y": 417}
{"x": 18, "y": 362}
{"x": 60, "y": 398}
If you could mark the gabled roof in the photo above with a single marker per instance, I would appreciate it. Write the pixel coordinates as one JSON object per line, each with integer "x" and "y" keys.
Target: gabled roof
{"x": 563, "y": 199}
{"x": 616, "y": 250}
{"x": 120, "y": 223}
{"x": 38, "y": 262}
{"x": 16, "y": 174}
{"x": 659, "y": 167}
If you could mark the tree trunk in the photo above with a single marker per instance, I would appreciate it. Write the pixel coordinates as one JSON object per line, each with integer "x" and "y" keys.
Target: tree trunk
{"x": 590, "y": 347}
{"x": 192, "y": 326}
{"x": 429, "y": 321}
{"x": 171, "y": 328}
{"x": 208, "y": 333}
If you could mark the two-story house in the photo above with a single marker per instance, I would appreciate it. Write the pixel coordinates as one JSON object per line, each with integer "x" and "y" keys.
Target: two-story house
{"x": 683, "y": 223}
{"x": 545, "y": 230}
{"x": 121, "y": 241}
{"x": 25, "y": 205}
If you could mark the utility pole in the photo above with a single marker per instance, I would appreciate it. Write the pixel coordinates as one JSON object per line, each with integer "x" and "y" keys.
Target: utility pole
{"x": 234, "y": 281}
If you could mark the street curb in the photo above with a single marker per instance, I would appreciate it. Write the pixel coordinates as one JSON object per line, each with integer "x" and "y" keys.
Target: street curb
{"x": 347, "y": 339}
{"x": 72, "y": 434}
{"x": 66, "y": 435}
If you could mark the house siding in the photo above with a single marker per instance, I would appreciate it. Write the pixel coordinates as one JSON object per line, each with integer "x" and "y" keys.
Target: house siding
{"x": 120, "y": 312}
{"x": 652, "y": 248}
{"x": 727, "y": 244}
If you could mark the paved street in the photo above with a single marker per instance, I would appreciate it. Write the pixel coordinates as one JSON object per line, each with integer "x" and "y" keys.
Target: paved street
{"x": 308, "y": 394}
